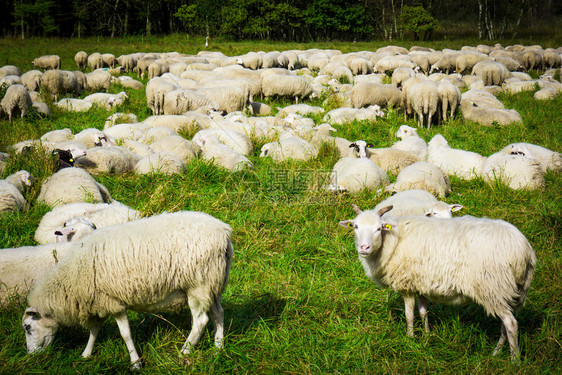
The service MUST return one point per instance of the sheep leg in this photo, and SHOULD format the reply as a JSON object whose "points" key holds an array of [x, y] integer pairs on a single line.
{"points": [[510, 324], [94, 330], [423, 307], [199, 320], [429, 120], [217, 314], [123, 323], [503, 337], [409, 304]]}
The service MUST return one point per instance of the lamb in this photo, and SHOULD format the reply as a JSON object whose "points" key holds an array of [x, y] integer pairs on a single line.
{"points": [[220, 154], [294, 148], [424, 99], [389, 159], [367, 93], [450, 98], [410, 142], [71, 185], [286, 85], [81, 59], [47, 62], [457, 261], [515, 171], [463, 164], [354, 175], [21, 267], [160, 162], [16, 101], [425, 176], [11, 191], [548, 159], [100, 214], [111, 159], [417, 202], [202, 251]]}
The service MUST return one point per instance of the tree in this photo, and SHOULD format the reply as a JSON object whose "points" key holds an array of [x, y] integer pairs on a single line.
{"points": [[417, 20], [33, 16]]}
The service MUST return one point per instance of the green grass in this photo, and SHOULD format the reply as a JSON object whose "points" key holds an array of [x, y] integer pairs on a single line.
{"points": [[298, 300]]}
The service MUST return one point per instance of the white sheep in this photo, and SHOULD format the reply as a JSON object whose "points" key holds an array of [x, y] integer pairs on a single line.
{"points": [[389, 159], [182, 147], [514, 170], [424, 99], [491, 72], [70, 185], [16, 101], [417, 202], [92, 137], [296, 87], [47, 62], [189, 255], [32, 80], [99, 80], [455, 261], [356, 174], [21, 267], [110, 159], [369, 93], [220, 154], [11, 191], [81, 59], [239, 142], [160, 162], [9, 70], [100, 214], [548, 159], [344, 115], [74, 105], [425, 176], [59, 82], [410, 142], [488, 116], [323, 135], [450, 98], [291, 147], [107, 101], [120, 118], [180, 101], [401, 75], [461, 163]]}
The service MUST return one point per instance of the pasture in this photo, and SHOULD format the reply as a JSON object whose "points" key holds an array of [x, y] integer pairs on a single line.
{"points": [[298, 301]]}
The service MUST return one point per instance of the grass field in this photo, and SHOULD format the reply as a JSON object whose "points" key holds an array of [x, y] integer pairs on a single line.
{"points": [[298, 301]]}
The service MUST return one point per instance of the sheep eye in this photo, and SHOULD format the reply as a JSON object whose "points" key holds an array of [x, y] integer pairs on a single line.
{"points": [[355, 226]]}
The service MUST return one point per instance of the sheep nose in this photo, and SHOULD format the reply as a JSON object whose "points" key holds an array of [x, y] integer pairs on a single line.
{"points": [[364, 247]]}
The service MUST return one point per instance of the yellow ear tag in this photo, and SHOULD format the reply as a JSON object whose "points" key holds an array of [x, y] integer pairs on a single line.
{"points": [[71, 160], [350, 225], [388, 226]]}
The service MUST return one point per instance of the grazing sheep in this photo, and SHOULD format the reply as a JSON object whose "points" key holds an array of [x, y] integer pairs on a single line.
{"points": [[10, 80], [71, 185], [467, 60], [424, 99], [417, 202], [548, 159], [99, 80], [406, 86], [109, 60], [491, 72], [32, 80], [514, 170], [160, 162], [81, 59], [294, 148], [450, 98], [390, 63], [286, 85], [58, 82], [95, 61], [9, 70], [202, 253], [47, 62], [356, 174], [58, 135], [463, 164], [100, 214], [11, 191], [220, 154], [425, 176], [157, 68], [410, 142], [401, 75], [456, 261], [446, 63], [16, 101], [368, 93], [180, 101]]}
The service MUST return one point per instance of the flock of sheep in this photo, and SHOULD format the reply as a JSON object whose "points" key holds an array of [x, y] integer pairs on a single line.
{"points": [[174, 259]]}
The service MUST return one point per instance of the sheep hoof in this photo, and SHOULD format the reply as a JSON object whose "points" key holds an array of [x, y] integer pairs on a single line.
{"points": [[136, 366]]}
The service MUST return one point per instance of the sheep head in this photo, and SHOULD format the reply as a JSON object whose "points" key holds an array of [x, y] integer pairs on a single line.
{"points": [[39, 328], [369, 227]]}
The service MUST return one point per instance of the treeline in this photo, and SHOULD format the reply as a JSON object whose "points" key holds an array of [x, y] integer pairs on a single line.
{"points": [[288, 20]]}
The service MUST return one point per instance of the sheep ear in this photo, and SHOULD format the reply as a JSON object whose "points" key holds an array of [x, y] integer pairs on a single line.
{"points": [[370, 145], [384, 210], [32, 312], [386, 227], [347, 223], [352, 145], [356, 209], [455, 207]]}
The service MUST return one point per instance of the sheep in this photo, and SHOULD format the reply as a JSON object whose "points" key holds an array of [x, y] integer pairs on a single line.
{"points": [[286, 85], [417, 202], [9, 70], [467, 60], [365, 94], [410, 142], [174, 122], [21, 267], [157, 68], [81, 59], [65, 158], [425, 176], [10, 80], [220, 154], [111, 159], [294, 148], [71, 185], [488, 116], [345, 115], [354, 175], [548, 93], [120, 118], [301, 109], [491, 72], [11, 191], [100, 214], [108, 60], [548, 159], [203, 252], [59, 135], [259, 109], [107, 101], [227, 98], [400, 75], [389, 159], [92, 137], [185, 149], [47, 62], [128, 62], [32, 79], [99, 80], [57, 82], [455, 261], [323, 135], [160, 162], [424, 99], [406, 86], [514, 170], [127, 131], [481, 98], [446, 63], [239, 142], [143, 64], [74, 105], [390, 63], [450, 98], [463, 164], [16, 101]]}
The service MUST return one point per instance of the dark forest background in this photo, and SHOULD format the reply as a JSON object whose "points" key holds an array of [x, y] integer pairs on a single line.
{"points": [[287, 20]]}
